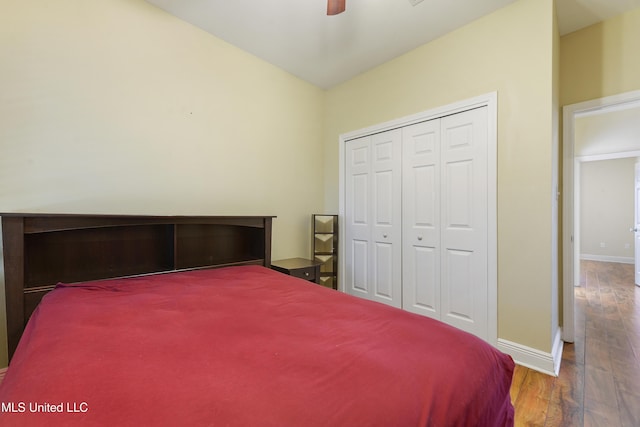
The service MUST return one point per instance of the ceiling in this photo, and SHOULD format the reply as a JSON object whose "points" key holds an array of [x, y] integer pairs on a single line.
{"points": [[298, 36]]}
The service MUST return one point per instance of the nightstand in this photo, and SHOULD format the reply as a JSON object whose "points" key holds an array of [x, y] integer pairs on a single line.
{"points": [[299, 267]]}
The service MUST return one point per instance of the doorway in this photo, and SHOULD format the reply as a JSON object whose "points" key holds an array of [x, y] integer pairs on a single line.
{"points": [[607, 208], [573, 156]]}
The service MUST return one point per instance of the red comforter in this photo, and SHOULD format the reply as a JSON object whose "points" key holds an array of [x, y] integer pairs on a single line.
{"points": [[245, 346]]}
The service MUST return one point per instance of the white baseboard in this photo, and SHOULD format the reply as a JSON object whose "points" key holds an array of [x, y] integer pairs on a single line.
{"points": [[607, 258], [547, 363]]}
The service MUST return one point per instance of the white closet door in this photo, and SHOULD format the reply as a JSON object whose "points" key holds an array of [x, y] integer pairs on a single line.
{"points": [[464, 221], [357, 217], [386, 256], [421, 218], [372, 217]]}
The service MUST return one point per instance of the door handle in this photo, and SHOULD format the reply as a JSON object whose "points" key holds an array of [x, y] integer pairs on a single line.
{"points": [[633, 229]]}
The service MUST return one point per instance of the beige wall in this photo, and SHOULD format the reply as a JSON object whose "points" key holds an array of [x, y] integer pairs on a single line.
{"points": [[509, 51], [606, 209], [117, 107], [114, 106], [607, 133], [601, 60]]}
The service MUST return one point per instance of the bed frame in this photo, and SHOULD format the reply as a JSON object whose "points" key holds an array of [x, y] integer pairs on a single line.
{"points": [[41, 250]]}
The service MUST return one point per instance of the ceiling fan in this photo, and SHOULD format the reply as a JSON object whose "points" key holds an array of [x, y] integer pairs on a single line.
{"points": [[335, 7]]}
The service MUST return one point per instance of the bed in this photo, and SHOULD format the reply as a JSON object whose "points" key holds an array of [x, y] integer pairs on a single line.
{"points": [[180, 321]]}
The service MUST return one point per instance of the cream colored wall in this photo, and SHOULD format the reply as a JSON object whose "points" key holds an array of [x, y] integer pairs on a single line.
{"points": [[114, 106], [607, 209], [509, 51], [601, 60], [607, 133]]}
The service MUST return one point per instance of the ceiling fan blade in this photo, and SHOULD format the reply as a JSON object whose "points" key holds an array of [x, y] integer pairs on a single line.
{"points": [[335, 7]]}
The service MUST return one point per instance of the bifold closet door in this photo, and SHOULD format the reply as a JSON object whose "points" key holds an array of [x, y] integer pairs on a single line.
{"points": [[464, 221], [373, 229], [416, 218], [421, 218], [445, 220]]}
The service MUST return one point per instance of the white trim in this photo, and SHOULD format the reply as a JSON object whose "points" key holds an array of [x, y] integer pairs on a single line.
{"points": [[489, 100], [608, 258], [610, 156], [435, 113], [547, 363], [556, 351], [570, 217]]}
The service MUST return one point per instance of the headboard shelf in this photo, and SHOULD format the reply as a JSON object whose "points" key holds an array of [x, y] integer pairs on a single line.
{"points": [[41, 250], [40, 223]]}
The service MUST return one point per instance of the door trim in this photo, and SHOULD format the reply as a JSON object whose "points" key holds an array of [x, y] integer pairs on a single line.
{"points": [[489, 100], [570, 200]]}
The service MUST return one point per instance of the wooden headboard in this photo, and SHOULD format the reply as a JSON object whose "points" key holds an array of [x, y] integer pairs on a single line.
{"points": [[42, 250]]}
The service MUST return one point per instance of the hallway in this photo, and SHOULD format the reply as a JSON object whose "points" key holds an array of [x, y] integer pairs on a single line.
{"points": [[599, 381]]}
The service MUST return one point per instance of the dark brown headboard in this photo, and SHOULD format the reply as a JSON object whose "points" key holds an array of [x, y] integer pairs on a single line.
{"points": [[42, 250]]}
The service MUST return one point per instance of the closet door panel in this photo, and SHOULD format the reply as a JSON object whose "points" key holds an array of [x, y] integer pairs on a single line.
{"points": [[383, 271], [359, 267], [357, 216], [421, 218], [460, 285], [458, 195], [424, 297], [464, 221], [386, 256], [372, 218]]}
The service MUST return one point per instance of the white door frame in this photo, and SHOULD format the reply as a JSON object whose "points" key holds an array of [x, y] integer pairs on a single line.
{"points": [[571, 205], [636, 223], [489, 100]]}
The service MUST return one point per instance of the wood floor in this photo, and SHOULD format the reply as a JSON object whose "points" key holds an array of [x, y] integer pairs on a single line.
{"points": [[599, 381]]}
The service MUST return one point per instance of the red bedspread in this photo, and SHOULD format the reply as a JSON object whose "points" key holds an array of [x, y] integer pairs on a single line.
{"points": [[245, 346]]}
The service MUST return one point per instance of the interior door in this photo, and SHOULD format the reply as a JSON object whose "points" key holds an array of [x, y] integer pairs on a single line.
{"points": [[421, 218], [636, 226], [464, 221]]}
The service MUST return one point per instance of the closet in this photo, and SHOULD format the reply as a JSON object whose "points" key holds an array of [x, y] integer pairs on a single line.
{"points": [[416, 218]]}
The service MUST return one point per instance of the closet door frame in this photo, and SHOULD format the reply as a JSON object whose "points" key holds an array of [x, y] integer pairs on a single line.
{"points": [[489, 100]]}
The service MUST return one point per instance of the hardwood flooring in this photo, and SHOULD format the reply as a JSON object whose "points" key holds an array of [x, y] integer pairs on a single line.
{"points": [[599, 380]]}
